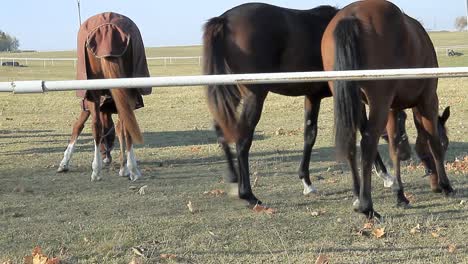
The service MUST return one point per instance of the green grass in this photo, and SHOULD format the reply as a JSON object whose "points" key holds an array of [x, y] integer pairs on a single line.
{"points": [[84, 222]]}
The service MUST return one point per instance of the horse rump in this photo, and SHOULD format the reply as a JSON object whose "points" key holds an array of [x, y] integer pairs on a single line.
{"points": [[125, 99]]}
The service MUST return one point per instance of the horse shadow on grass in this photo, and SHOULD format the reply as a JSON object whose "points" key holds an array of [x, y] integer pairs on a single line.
{"points": [[164, 139], [85, 141]]}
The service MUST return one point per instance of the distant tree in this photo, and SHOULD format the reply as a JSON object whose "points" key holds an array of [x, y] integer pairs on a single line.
{"points": [[8, 43], [460, 23]]}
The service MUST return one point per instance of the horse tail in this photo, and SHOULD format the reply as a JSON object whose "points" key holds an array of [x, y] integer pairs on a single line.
{"points": [[222, 99], [124, 99], [347, 101]]}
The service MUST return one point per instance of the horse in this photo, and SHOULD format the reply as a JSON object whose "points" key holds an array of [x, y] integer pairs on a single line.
{"points": [[376, 34], [255, 38], [110, 46]]}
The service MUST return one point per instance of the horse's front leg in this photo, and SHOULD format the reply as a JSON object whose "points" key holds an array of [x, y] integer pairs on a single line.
{"points": [[311, 111], [392, 128], [76, 131], [97, 134], [252, 110]]}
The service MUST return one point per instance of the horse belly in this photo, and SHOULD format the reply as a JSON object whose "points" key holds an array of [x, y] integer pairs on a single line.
{"points": [[300, 89]]}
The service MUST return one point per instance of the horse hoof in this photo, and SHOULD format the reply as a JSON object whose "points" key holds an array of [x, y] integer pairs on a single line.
{"points": [[374, 214], [403, 204], [356, 205], [133, 177], [436, 189], [447, 188], [62, 169], [95, 177], [388, 183], [251, 200], [309, 190], [449, 191], [388, 179], [124, 172], [106, 161]]}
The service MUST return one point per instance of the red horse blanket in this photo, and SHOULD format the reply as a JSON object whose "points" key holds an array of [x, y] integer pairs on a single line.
{"points": [[111, 35]]}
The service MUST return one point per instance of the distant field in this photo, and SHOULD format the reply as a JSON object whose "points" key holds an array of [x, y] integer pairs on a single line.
{"points": [[84, 222]]}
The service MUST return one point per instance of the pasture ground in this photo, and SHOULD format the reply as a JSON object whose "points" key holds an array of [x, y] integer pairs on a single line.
{"points": [[87, 222]]}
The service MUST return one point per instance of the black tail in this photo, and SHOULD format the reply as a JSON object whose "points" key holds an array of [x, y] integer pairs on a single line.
{"points": [[347, 94], [222, 99]]}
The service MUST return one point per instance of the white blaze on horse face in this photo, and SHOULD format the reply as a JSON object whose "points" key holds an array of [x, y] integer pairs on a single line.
{"points": [[97, 163], [132, 165], [308, 189], [64, 164]]}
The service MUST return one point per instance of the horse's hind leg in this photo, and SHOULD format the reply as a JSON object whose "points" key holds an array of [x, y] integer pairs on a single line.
{"points": [[392, 130], [123, 172], [132, 165], [370, 139], [97, 133], [76, 131], [109, 137], [232, 176], [252, 110], [311, 111], [379, 166]]}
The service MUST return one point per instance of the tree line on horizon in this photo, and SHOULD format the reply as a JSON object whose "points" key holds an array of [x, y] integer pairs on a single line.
{"points": [[8, 42]]}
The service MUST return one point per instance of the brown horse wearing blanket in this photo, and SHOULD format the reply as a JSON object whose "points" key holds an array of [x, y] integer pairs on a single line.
{"points": [[110, 46], [258, 38], [375, 34]]}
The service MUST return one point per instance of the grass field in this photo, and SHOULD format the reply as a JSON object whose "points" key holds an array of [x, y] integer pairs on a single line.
{"points": [[80, 221]]}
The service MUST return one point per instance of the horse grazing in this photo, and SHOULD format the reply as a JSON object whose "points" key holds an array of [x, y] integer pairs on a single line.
{"points": [[256, 38], [375, 34], [110, 46]]}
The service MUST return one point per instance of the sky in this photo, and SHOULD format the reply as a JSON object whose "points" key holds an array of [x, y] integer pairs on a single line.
{"points": [[47, 25]]}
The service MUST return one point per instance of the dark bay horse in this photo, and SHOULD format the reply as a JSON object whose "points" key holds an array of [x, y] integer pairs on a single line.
{"points": [[256, 38], [110, 46], [375, 34]]}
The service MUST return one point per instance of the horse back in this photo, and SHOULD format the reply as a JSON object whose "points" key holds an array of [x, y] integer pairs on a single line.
{"points": [[265, 38]]}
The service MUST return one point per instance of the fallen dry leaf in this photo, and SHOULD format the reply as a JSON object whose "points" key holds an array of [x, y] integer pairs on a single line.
{"points": [[280, 132], [168, 256], [458, 166], [255, 183], [314, 213], [215, 193], [190, 207], [38, 258], [416, 229], [141, 191], [435, 234], [321, 259], [258, 208], [139, 251], [136, 260], [411, 197], [452, 248], [368, 225], [8, 261], [195, 149], [379, 232], [332, 180]]}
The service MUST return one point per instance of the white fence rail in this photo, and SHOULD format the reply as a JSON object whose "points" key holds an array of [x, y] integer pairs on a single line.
{"points": [[161, 61], [41, 86], [166, 61]]}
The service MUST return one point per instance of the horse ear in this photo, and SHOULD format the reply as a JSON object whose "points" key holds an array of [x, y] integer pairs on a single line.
{"points": [[445, 115]]}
